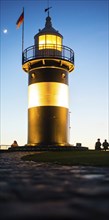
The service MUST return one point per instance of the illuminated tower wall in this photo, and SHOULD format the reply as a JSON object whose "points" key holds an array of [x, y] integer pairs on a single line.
{"points": [[48, 64]]}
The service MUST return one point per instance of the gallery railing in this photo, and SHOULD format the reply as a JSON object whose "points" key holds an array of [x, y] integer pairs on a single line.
{"points": [[48, 51]]}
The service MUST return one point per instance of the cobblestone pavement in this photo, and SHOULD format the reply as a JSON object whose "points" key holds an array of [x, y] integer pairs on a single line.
{"points": [[30, 190]]}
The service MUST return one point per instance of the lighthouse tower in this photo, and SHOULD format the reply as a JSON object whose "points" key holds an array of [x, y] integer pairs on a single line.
{"points": [[48, 63]]}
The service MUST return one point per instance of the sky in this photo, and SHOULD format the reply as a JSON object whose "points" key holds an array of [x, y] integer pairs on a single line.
{"points": [[84, 26]]}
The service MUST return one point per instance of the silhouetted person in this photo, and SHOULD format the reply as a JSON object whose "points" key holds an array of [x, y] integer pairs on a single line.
{"points": [[98, 145], [105, 145], [14, 144]]}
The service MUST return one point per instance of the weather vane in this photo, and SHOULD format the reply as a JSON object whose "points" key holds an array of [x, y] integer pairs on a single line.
{"points": [[48, 8]]}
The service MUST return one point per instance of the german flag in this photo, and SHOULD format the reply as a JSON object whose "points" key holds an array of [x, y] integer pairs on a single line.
{"points": [[20, 20]]}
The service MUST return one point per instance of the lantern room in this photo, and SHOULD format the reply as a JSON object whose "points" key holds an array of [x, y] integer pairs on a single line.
{"points": [[48, 37]]}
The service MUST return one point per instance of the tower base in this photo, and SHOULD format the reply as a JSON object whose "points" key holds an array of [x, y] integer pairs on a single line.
{"points": [[31, 148]]}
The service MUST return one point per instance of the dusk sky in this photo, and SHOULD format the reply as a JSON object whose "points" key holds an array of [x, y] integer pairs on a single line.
{"points": [[84, 26]]}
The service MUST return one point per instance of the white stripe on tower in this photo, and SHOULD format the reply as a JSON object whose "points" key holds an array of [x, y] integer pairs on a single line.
{"points": [[48, 94]]}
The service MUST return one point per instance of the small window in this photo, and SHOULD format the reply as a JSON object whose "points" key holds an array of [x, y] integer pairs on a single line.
{"points": [[33, 75], [63, 75]]}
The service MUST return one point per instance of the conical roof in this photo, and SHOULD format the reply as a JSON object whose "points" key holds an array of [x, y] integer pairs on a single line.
{"points": [[48, 29]]}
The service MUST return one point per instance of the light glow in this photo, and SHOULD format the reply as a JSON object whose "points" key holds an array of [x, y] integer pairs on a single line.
{"points": [[50, 42]]}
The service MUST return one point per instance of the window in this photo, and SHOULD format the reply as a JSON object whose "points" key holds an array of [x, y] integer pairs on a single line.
{"points": [[41, 42], [59, 43], [50, 42]]}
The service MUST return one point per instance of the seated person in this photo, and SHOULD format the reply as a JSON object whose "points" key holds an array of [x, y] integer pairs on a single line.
{"points": [[105, 145], [98, 145], [14, 144]]}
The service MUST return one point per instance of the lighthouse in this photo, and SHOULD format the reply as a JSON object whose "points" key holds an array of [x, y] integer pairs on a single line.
{"points": [[48, 63]]}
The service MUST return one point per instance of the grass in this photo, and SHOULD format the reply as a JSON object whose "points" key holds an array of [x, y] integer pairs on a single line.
{"points": [[85, 158]]}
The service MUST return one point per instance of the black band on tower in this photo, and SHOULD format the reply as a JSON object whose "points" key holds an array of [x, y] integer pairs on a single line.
{"points": [[48, 75], [47, 125]]}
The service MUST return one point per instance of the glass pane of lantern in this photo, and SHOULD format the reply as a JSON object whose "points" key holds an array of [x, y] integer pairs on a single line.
{"points": [[50, 41], [59, 43], [41, 42]]}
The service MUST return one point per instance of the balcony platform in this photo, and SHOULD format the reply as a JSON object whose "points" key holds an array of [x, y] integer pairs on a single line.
{"points": [[34, 58]]}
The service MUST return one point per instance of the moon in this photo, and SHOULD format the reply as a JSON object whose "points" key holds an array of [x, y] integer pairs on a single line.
{"points": [[5, 31]]}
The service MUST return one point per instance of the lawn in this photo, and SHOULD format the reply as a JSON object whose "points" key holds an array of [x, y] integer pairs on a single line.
{"points": [[85, 158]]}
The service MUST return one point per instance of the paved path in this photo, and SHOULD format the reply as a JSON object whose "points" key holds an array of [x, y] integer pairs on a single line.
{"points": [[30, 190]]}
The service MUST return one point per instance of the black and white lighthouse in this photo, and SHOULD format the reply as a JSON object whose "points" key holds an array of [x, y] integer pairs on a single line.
{"points": [[48, 63]]}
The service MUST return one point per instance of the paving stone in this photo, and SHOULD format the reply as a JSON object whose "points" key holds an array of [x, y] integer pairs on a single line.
{"points": [[30, 190]]}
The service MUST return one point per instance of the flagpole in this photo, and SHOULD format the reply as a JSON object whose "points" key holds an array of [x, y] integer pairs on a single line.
{"points": [[23, 33], [23, 36]]}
